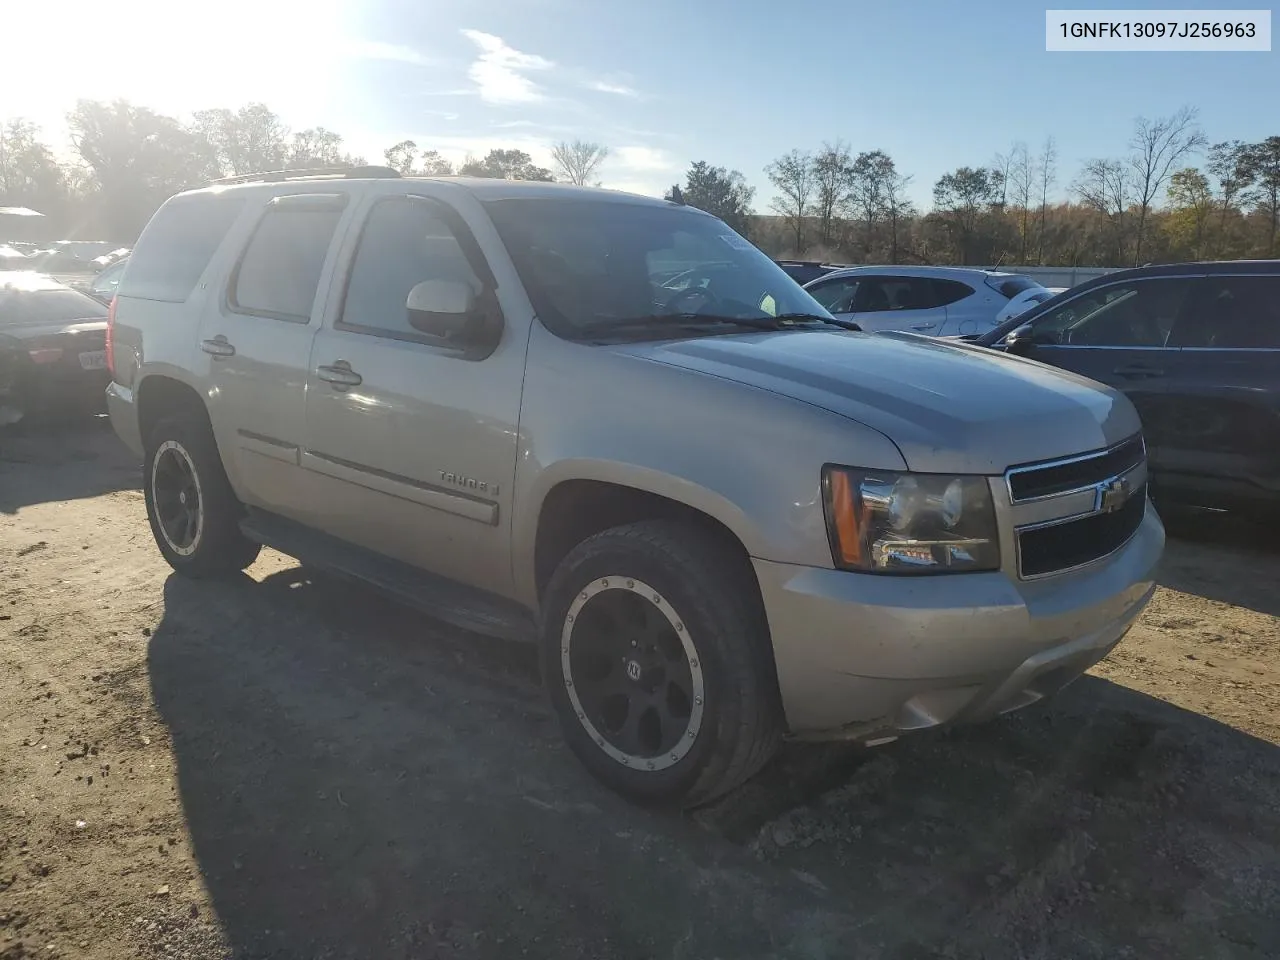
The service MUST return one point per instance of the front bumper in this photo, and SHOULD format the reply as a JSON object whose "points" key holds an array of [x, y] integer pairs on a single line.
{"points": [[867, 657]]}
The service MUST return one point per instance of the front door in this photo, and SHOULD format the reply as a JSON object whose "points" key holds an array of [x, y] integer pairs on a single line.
{"points": [[255, 343], [1224, 387], [411, 443], [1119, 335]]}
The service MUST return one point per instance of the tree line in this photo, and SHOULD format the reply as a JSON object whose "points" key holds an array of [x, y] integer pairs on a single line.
{"points": [[1171, 195], [1152, 203], [128, 159]]}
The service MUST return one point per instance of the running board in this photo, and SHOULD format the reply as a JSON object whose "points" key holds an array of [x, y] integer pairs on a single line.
{"points": [[454, 603]]}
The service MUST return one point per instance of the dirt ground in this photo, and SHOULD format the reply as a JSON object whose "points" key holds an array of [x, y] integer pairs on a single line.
{"points": [[286, 766]]}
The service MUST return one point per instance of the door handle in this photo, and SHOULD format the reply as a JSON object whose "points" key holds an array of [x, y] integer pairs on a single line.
{"points": [[1138, 371], [923, 326], [339, 374], [218, 347]]}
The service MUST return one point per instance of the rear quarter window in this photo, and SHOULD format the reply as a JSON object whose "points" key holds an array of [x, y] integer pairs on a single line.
{"points": [[1010, 287], [947, 292], [176, 246]]}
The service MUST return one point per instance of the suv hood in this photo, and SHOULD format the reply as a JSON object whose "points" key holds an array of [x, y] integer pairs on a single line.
{"points": [[949, 407]]}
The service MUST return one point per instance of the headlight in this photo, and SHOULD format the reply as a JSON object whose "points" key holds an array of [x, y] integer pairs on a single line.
{"points": [[885, 522]]}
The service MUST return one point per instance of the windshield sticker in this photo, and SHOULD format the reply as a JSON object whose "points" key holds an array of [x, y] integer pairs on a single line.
{"points": [[735, 241]]}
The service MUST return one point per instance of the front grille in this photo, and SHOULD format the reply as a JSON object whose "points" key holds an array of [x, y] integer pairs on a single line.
{"points": [[1061, 546], [1027, 483]]}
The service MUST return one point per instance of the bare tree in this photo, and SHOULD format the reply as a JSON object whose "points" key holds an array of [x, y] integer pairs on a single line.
{"points": [[579, 161], [1022, 176], [1047, 172], [400, 157], [896, 205], [832, 183], [1229, 165], [1262, 163], [792, 175], [1001, 166], [1159, 146], [1103, 185], [405, 158]]}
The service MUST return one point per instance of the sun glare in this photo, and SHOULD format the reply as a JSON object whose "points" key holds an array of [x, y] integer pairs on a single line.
{"points": [[173, 55]]}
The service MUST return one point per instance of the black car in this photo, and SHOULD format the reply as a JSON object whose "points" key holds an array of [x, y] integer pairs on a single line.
{"points": [[804, 271], [52, 348], [1196, 347]]}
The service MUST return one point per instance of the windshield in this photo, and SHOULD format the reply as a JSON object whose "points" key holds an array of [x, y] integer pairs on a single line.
{"points": [[594, 265], [46, 306]]}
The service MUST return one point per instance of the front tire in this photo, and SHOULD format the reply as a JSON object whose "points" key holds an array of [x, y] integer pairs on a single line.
{"points": [[656, 655], [194, 514]]}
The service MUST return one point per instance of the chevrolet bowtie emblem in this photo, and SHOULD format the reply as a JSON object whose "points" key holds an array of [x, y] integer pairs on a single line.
{"points": [[1113, 494]]}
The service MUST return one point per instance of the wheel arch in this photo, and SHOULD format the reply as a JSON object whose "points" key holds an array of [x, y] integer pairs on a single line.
{"points": [[586, 499], [162, 394]]}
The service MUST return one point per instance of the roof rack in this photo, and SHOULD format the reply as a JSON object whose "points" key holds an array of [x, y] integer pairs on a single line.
{"points": [[314, 173]]}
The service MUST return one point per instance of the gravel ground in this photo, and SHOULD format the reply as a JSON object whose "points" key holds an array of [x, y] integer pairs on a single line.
{"points": [[286, 766]]}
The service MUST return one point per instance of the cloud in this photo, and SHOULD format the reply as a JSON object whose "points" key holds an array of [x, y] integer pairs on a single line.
{"points": [[499, 71], [621, 90], [644, 159]]}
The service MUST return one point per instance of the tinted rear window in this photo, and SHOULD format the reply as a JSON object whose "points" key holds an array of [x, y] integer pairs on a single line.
{"points": [[176, 246], [1010, 287], [47, 306]]}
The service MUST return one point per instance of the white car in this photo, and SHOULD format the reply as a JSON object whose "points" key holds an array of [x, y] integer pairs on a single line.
{"points": [[1025, 301], [934, 301]]}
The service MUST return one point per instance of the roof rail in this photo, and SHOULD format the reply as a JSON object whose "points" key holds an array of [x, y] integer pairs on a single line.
{"points": [[314, 173]]}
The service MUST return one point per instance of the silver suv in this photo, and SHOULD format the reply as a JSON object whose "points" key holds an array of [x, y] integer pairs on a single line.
{"points": [[611, 423]]}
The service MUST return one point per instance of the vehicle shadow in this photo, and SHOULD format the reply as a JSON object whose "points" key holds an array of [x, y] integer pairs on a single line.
{"points": [[362, 782], [1227, 559], [42, 462]]}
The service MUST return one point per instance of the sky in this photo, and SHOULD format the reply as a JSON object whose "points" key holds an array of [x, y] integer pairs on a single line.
{"points": [[937, 85]]}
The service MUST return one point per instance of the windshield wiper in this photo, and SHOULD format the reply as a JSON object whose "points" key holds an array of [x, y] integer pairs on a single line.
{"points": [[687, 321], [817, 317]]}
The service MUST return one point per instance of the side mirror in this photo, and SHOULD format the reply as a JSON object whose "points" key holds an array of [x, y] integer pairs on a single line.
{"points": [[1020, 341], [443, 308]]}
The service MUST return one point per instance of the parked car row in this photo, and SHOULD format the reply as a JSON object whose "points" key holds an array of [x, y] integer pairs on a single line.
{"points": [[610, 424], [937, 301], [52, 348], [61, 257], [1196, 348]]}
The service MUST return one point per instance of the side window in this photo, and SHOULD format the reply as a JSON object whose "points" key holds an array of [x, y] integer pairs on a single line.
{"points": [[878, 294], [279, 270], [404, 242], [836, 295], [1232, 313], [1136, 314], [873, 296], [177, 245], [947, 292]]}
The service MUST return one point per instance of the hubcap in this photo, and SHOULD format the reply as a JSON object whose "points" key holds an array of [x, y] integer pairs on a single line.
{"points": [[175, 491], [632, 673]]}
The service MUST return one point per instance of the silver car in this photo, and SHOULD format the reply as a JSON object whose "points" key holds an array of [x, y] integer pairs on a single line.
{"points": [[611, 425], [934, 301]]}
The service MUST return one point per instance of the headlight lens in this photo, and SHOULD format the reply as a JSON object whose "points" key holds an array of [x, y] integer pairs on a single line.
{"points": [[885, 522]]}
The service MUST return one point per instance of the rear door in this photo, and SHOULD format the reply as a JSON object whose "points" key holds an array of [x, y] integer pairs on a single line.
{"points": [[1119, 335], [1224, 388], [898, 303], [255, 342]]}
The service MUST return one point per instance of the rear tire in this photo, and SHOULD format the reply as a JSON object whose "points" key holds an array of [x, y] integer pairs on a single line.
{"points": [[702, 711], [194, 514]]}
